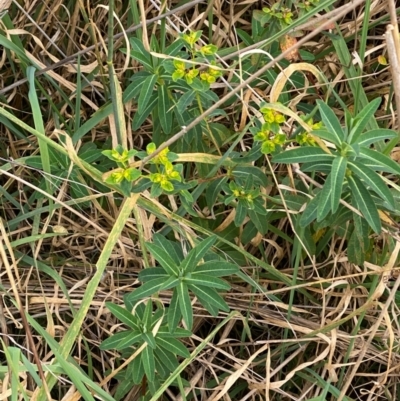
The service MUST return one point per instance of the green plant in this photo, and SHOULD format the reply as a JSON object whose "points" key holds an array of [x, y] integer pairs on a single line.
{"points": [[351, 168], [159, 356], [185, 274]]}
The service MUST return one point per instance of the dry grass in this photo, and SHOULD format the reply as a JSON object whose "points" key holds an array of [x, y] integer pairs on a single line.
{"points": [[284, 346]]}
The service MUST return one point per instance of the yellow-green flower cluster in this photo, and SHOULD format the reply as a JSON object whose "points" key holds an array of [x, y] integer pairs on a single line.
{"points": [[211, 75], [283, 15], [305, 138], [181, 72], [269, 139], [168, 172], [129, 174]]}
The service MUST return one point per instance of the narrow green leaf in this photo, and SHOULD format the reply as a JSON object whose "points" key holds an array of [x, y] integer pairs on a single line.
{"points": [[330, 121], [361, 121], [385, 162], [324, 204], [142, 59], [209, 295], [167, 358], [365, 203], [317, 166], [185, 101], [164, 332], [373, 180], [148, 314], [376, 135], [338, 173], [164, 259], [310, 212], [139, 118], [327, 135], [136, 370], [213, 190], [216, 268], [152, 273], [113, 341], [149, 339], [169, 283], [241, 212], [147, 357], [132, 338], [173, 345], [137, 45], [174, 312], [146, 289], [185, 304], [146, 92], [164, 112], [123, 315], [206, 281], [171, 248], [196, 254], [303, 154], [243, 172]]}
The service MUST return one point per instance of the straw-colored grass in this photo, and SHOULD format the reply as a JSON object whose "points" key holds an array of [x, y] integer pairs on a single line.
{"points": [[301, 327]]}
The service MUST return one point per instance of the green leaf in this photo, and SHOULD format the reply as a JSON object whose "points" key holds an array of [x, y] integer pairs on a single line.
{"points": [[330, 121], [151, 273], [202, 280], [365, 203], [199, 251], [373, 180], [120, 340], [370, 137], [243, 172], [136, 370], [164, 259], [213, 190], [209, 295], [146, 92], [144, 60], [169, 283], [361, 120], [148, 314], [302, 155], [185, 304], [385, 162], [338, 173], [327, 135], [310, 212], [190, 262], [123, 315], [149, 339], [133, 337], [173, 345], [174, 312], [164, 332], [169, 247], [139, 118], [164, 112], [359, 241], [185, 101], [241, 212], [146, 289], [316, 166], [134, 88], [167, 358], [324, 204], [216, 268], [147, 357]]}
